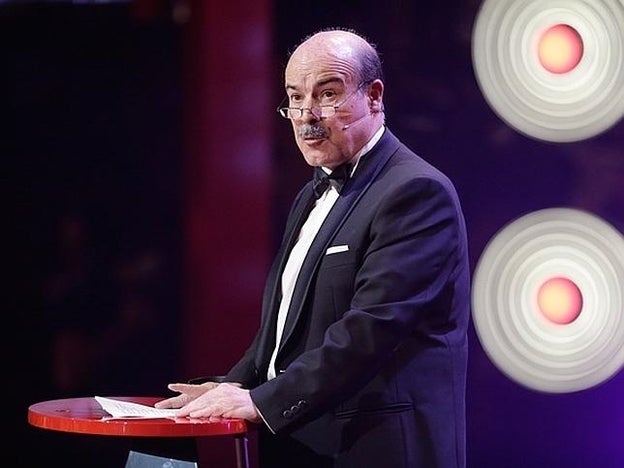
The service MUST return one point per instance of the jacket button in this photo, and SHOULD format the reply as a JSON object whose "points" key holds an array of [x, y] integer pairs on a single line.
{"points": [[294, 409], [302, 404], [287, 414]]}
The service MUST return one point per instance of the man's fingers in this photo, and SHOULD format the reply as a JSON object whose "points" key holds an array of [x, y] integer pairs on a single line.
{"points": [[165, 404], [188, 392], [192, 389], [181, 387], [173, 402]]}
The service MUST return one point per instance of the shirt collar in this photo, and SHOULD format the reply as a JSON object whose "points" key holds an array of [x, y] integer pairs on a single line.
{"points": [[365, 149]]}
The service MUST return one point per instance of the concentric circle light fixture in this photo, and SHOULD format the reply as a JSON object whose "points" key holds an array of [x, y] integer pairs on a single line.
{"points": [[552, 69], [548, 300]]}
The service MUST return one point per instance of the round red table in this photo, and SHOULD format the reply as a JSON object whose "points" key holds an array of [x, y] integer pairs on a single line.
{"points": [[86, 416]]}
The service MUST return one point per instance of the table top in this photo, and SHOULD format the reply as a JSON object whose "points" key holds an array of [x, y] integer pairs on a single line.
{"points": [[86, 416]]}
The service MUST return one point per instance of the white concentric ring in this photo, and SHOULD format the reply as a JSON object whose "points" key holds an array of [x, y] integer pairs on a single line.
{"points": [[520, 341], [564, 107]]}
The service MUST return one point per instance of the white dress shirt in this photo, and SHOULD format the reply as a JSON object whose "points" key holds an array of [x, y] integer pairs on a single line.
{"points": [[298, 253]]}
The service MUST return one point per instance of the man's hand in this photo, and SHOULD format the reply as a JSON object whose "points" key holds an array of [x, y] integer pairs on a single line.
{"points": [[226, 401], [188, 392], [211, 399]]}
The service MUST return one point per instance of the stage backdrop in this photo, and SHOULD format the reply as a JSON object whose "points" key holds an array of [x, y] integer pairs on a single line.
{"points": [[150, 177]]}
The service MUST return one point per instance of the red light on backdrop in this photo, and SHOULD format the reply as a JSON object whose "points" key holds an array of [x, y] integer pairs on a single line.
{"points": [[560, 300], [560, 48]]}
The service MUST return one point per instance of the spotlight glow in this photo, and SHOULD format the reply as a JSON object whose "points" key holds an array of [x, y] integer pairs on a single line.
{"points": [[548, 300], [552, 69], [560, 300], [560, 48]]}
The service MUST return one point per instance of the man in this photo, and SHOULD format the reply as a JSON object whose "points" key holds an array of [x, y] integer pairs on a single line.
{"points": [[360, 359]]}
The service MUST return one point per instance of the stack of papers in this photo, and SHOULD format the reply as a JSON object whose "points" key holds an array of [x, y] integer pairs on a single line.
{"points": [[125, 409]]}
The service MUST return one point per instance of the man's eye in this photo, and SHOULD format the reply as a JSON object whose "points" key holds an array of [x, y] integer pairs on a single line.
{"points": [[294, 99], [327, 96]]}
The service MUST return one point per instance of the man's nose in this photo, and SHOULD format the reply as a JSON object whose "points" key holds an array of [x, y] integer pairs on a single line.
{"points": [[311, 114], [310, 110]]}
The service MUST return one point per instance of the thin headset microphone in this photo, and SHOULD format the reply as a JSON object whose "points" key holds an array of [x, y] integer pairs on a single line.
{"points": [[349, 125], [356, 121]]}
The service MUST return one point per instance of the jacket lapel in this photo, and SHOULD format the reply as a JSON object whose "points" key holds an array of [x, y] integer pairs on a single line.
{"points": [[273, 291]]}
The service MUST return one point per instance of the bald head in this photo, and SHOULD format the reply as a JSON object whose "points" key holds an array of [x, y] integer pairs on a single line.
{"points": [[344, 46]]}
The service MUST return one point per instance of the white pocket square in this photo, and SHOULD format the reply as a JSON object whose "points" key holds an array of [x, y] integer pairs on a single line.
{"points": [[336, 248]]}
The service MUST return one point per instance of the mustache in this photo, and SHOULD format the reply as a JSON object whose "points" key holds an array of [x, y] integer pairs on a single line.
{"points": [[315, 130]]}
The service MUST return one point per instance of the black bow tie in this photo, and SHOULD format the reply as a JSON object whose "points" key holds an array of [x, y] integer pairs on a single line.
{"points": [[322, 180]]}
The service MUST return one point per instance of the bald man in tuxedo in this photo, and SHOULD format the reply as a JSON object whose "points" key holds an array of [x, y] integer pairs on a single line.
{"points": [[360, 358]]}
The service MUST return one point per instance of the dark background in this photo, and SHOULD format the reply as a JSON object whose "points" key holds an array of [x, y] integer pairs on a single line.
{"points": [[95, 143]]}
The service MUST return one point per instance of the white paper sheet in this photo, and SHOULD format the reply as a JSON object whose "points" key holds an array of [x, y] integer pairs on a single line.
{"points": [[125, 409]]}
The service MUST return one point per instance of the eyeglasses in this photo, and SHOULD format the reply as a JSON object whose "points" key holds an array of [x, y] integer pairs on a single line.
{"points": [[320, 112]]}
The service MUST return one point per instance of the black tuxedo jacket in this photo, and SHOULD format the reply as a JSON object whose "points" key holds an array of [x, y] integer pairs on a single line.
{"points": [[372, 362]]}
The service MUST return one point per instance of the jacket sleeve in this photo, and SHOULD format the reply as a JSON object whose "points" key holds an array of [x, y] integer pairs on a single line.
{"points": [[244, 371]]}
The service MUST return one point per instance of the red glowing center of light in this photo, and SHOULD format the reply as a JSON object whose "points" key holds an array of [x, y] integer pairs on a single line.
{"points": [[560, 48], [560, 300]]}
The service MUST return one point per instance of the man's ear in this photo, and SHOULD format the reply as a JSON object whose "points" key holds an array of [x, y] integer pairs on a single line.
{"points": [[375, 96]]}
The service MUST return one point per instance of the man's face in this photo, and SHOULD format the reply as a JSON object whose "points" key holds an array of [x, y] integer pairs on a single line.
{"points": [[315, 78]]}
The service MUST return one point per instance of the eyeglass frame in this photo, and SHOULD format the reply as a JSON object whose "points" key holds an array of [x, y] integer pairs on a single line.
{"points": [[284, 111]]}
